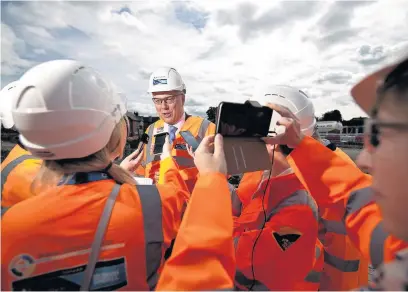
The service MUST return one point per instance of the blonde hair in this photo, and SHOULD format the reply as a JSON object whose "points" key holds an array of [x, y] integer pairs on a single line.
{"points": [[52, 171]]}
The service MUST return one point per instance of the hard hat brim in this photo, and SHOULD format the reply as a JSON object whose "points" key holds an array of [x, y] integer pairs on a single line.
{"points": [[7, 121], [364, 92]]}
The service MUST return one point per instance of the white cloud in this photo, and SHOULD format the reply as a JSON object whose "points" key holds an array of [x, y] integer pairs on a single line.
{"points": [[223, 49]]}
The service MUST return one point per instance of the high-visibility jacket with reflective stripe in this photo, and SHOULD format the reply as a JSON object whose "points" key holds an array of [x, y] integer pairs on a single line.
{"points": [[203, 255], [345, 268], [336, 184], [18, 171], [55, 230], [289, 210], [198, 127]]}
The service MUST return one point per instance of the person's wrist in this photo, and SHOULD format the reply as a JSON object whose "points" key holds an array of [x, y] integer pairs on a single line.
{"points": [[211, 172], [298, 141]]}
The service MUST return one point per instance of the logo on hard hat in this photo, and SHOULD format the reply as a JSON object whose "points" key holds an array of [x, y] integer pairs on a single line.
{"points": [[159, 81]]}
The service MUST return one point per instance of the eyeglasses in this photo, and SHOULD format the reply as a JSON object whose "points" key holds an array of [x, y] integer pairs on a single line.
{"points": [[168, 100], [372, 128]]}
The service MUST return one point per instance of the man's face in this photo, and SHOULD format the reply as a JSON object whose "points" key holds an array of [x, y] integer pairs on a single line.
{"points": [[169, 105], [388, 164]]}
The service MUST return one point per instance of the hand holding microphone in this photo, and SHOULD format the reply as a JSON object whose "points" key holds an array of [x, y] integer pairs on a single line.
{"points": [[132, 161]]}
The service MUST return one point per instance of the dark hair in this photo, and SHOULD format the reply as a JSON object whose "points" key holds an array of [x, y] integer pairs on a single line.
{"points": [[395, 82]]}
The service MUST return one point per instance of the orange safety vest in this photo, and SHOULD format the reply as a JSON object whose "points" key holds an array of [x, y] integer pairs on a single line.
{"points": [[203, 257], [344, 266], [18, 171], [125, 228], [198, 127], [338, 185], [289, 210]]}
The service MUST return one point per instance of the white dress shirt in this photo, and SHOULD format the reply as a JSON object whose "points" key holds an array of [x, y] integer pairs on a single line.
{"points": [[178, 125]]}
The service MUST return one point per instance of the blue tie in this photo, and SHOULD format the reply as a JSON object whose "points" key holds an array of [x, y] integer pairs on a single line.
{"points": [[172, 133]]}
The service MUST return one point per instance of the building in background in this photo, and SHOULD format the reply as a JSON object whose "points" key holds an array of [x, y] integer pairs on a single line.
{"points": [[137, 126], [328, 127]]}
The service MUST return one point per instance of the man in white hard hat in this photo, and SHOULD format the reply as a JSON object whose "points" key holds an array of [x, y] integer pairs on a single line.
{"points": [[168, 94], [19, 168], [336, 243]]}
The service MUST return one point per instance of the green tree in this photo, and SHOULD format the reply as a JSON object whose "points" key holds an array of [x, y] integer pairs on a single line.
{"points": [[334, 115]]}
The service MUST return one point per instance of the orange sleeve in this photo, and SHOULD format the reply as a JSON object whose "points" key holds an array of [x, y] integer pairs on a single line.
{"points": [[210, 130], [329, 178], [338, 184], [248, 185], [203, 254], [169, 173], [174, 194]]}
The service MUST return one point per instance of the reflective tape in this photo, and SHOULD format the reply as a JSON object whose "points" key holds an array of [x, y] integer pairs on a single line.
{"points": [[337, 227], [183, 161], [202, 130], [340, 264], [242, 280], [153, 230], [314, 276], [299, 197], [358, 200], [377, 244], [186, 162], [5, 172], [98, 238]]}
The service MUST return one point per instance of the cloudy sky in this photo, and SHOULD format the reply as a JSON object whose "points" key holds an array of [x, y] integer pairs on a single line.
{"points": [[223, 49]]}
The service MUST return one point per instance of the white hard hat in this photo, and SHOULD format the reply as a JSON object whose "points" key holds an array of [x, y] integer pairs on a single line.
{"points": [[365, 91], [292, 98], [6, 103], [166, 79], [64, 109]]}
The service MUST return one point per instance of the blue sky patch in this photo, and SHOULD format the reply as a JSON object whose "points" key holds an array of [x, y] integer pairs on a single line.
{"points": [[188, 15]]}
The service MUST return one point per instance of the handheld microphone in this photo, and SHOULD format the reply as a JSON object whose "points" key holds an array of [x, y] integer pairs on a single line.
{"points": [[143, 141]]}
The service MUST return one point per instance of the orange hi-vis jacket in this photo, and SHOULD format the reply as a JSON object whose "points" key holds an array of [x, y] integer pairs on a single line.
{"points": [[47, 239], [18, 171], [345, 268], [203, 257], [288, 254], [198, 127], [338, 185]]}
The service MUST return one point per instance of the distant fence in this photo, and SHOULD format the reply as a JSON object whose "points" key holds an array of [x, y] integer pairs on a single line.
{"points": [[345, 140]]}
